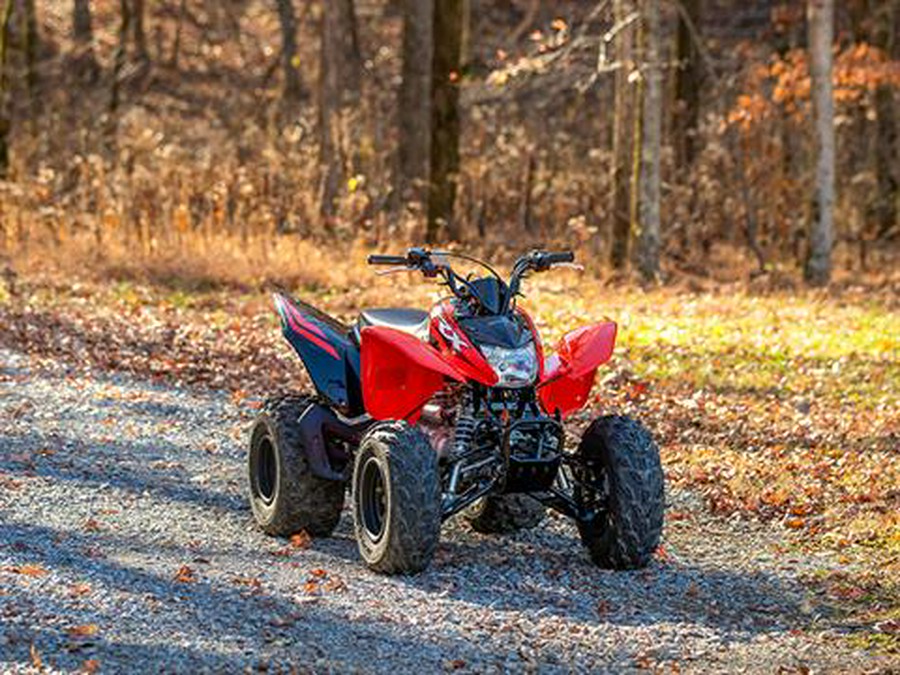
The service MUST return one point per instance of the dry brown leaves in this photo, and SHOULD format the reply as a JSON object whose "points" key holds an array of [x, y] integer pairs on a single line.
{"points": [[83, 631], [28, 570], [185, 575]]}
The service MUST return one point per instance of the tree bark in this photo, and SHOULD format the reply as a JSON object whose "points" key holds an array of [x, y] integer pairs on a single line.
{"points": [[293, 87], [648, 239], [118, 67], [820, 18], [688, 81], [414, 125], [176, 43], [31, 47], [623, 137], [139, 34], [5, 113], [445, 82], [339, 90], [83, 33], [883, 17]]}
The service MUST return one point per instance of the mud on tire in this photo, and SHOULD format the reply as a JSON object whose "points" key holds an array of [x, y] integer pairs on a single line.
{"points": [[284, 494], [502, 514], [621, 459], [396, 499]]}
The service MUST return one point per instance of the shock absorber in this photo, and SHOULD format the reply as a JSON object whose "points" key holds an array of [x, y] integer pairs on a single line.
{"points": [[465, 431]]}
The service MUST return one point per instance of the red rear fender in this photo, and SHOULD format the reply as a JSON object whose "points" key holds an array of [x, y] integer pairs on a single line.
{"points": [[400, 373], [569, 373]]}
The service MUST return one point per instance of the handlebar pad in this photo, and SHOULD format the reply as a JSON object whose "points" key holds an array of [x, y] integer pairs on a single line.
{"points": [[560, 257], [376, 259]]}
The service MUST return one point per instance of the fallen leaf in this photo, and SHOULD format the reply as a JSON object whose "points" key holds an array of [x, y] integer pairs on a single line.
{"points": [[335, 584], [282, 621], [319, 573], [889, 626], [185, 575], [85, 630], [643, 662], [301, 539], [28, 570], [90, 666], [35, 655], [80, 589]]}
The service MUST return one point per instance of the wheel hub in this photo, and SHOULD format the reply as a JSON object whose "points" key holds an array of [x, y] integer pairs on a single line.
{"points": [[373, 499], [266, 471]]}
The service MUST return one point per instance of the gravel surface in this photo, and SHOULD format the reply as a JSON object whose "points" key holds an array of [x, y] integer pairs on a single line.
{"points": [[127, 546]]}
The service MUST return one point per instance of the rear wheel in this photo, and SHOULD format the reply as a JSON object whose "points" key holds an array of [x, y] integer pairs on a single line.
{"points": [[285, 496], [620, 462], [501, 514], [396, 499]]}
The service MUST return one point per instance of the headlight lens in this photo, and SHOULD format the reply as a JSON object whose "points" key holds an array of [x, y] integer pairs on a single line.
{"points": [[514, 367]]}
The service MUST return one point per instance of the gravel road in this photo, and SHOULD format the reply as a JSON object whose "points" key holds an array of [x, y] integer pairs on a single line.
{"points": [[126, 546]]}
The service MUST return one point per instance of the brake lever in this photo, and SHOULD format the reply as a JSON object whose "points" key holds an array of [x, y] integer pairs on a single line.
{"points": [[395, 270]]}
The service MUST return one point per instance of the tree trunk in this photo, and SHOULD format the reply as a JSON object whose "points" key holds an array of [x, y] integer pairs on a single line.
{"points": [[5, 113], [176, 43], [138, 32], [83, 34], [118, 67], [687, 84], [883, 20], [31, 46], [648, 240], [623, 136], [414, 126], [293, 87], [445, 80], [820, 17], [339, 90]]}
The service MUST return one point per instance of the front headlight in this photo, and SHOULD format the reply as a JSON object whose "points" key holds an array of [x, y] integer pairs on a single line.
{"points": [[514, 367]]}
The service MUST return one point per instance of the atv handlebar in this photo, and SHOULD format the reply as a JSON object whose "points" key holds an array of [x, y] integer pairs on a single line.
{"points": [[420, 259], [558, 257], [376, 259]]}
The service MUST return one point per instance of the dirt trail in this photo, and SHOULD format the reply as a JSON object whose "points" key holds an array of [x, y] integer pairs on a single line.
{"points": [[125, 540]]}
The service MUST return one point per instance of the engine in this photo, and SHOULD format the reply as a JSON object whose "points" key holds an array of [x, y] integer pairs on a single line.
{"points": [[497, 439]]}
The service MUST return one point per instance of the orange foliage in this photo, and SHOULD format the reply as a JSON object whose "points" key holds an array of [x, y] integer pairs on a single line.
{"points": [[784, 83]]}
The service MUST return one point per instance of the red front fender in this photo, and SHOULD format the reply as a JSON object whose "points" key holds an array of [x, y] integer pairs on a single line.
{"points": [[399, 373], [569, 373]]}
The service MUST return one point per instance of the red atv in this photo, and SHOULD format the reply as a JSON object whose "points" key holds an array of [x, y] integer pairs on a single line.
{"points": [[426, 415]]}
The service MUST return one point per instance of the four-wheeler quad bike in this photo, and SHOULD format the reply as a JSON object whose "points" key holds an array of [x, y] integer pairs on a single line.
{"points": [[426, 415]]}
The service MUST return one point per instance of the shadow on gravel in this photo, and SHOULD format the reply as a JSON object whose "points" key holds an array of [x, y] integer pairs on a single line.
{"points": [[56, 650], [125, 465], [137, 613], [560, 580]]}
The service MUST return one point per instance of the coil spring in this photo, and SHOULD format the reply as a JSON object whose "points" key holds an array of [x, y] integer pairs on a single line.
{"points": [[465, 431]]}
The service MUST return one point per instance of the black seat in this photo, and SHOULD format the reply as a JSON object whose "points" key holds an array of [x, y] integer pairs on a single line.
{"points": [[412, 321]]}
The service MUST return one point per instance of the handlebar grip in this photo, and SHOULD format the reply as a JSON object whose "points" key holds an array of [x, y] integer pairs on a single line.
{"points": [[376, 259], [559, 257]]}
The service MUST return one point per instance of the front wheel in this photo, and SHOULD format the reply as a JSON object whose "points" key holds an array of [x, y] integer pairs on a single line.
{"points": [[621, 480], [396, 499]]}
